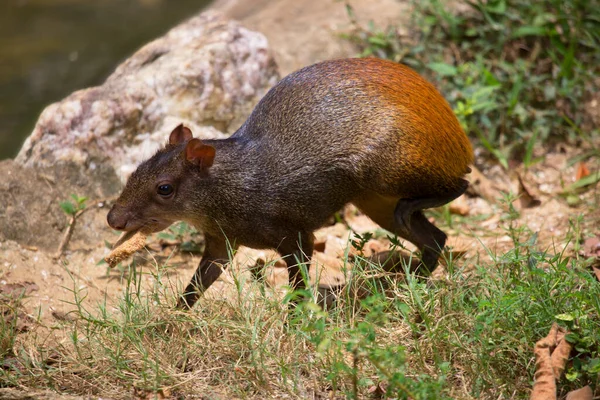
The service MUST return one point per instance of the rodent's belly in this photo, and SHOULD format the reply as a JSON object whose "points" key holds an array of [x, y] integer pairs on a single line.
{"points": [[276, 217]]}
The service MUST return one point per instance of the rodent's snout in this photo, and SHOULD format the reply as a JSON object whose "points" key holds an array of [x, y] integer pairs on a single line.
{"points": [[117, 218]]}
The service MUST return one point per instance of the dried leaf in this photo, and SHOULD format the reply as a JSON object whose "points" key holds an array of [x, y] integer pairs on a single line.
{"points": [[361, 224], [591, 247], [585, 393], [144, 394], [328, 271], [481, 186], [263, 264], [459, 206], [62, 316], [544, 387], [337, 247], [18, 289], [456, 247], [560, 355], [527, 197], [276, 277], [582, 171]]}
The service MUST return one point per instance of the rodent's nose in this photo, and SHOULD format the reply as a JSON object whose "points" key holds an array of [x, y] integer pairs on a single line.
{"points": [[116, 218]]}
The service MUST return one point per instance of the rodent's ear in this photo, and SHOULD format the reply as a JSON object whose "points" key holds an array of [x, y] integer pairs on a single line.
{"points": [[200, 154], [180, 134]]}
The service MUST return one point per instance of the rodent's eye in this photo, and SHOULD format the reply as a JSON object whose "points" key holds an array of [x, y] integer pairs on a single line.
{"points": [[165, 190]]}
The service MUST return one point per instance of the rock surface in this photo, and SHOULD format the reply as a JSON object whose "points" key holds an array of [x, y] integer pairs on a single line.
{"points": [[208, 72], [304, 32], [30, 214]]}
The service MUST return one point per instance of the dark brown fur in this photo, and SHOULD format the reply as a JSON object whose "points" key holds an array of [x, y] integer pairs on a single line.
{"points": [[365, 131]]}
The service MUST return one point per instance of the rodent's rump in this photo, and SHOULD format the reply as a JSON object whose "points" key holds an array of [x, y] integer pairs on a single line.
{"points": [[363, 131], [378, 119]]}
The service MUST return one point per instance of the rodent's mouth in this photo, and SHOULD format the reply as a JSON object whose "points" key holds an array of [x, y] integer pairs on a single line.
{"points": [[151, 226], [155, 225]]}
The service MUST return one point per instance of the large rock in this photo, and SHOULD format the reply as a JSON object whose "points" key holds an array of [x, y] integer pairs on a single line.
{"points": [[208, 72], [30, 213], [303, 32]]}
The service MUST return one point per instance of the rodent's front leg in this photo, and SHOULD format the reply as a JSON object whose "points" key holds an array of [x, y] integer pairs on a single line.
{"points": [[211, 266], [297, 250]]}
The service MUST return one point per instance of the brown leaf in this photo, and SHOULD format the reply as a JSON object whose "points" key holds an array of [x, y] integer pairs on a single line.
{"points": [[585, 393], [374, 246], [560, 355], [62, 316], [596, 272], [263, 263], [361, 224], [144, 394], [15, 290], [328, 271], [377, 391], [459, 206], [591, 247], [544, 386], [337, 247], [456, 247], [481, 186], [394, 261], [527, 197], [582, 171]]}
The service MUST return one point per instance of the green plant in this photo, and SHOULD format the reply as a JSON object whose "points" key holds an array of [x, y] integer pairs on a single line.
{"points": [[358, 354], [75, 206], [8, 325], [516, 72], [73, 209], [185, 234]]}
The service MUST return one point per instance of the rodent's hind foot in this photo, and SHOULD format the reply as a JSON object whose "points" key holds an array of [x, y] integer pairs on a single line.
{"points": [[427, 237]]}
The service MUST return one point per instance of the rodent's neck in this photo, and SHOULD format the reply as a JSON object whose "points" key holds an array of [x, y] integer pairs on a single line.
{"points": [[222, 194], [231, 155]]}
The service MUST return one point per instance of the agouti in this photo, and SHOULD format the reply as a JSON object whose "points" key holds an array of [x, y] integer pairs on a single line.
{"points": [[364, 131]]}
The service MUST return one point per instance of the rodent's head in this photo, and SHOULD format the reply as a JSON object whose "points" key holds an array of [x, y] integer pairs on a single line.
{"points": [[160, 190]]}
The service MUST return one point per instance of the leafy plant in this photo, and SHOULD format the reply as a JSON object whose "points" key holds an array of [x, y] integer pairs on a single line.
{"points": [[185, 234], [77, 204], [515, 71]]}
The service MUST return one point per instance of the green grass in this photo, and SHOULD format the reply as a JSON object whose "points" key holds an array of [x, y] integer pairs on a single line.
{"points": [[516, 72], [469, 336], [9, 308]]}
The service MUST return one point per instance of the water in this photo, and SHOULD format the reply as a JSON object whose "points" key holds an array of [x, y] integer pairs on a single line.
{"points": [[50, 48]]}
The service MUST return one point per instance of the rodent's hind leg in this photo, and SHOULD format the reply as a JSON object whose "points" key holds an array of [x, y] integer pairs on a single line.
{"points": [[411, 224], [426, 236], [406, 207], [297, 249], [382, 211], [214, 259], [404, 218]]}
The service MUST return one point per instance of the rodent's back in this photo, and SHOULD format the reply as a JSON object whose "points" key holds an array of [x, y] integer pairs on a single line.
{"points": [[379, 121]]}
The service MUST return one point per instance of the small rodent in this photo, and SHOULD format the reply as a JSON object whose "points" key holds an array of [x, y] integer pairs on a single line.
{"points": [[364, 131]]}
